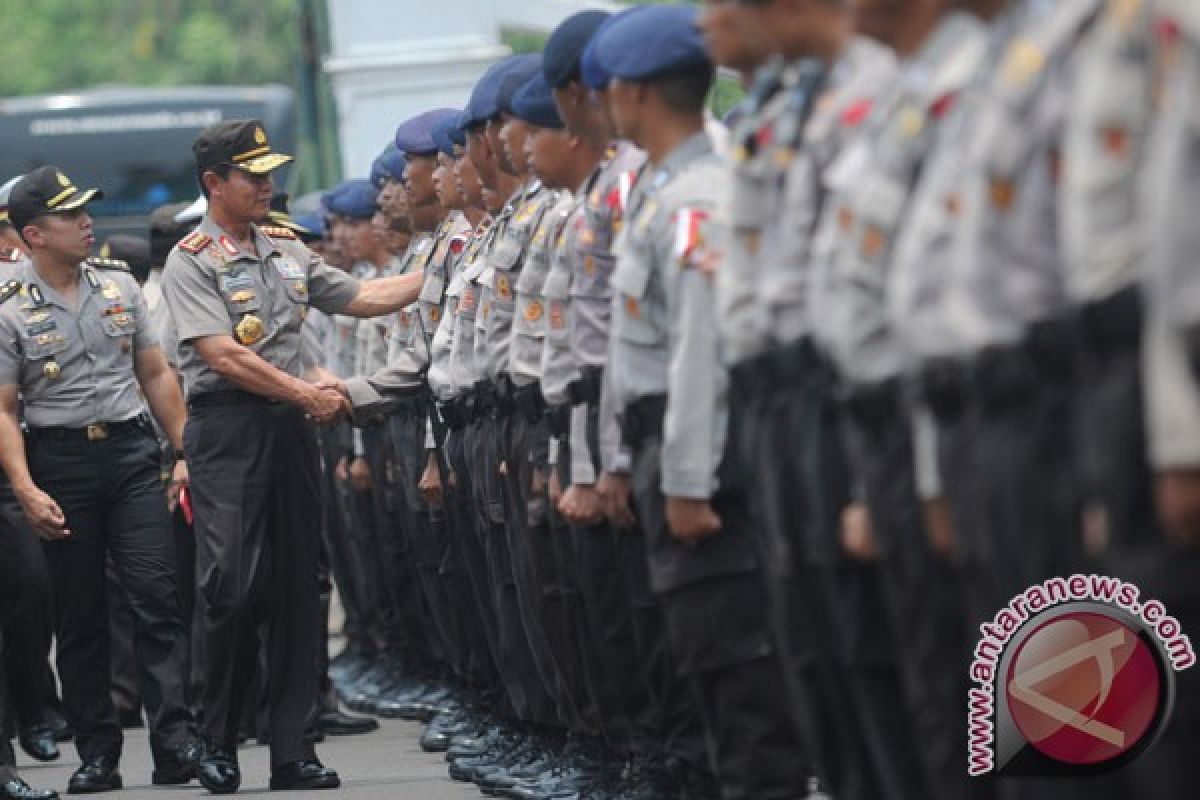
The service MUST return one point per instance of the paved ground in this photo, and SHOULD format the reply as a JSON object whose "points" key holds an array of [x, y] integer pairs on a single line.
{"points": [[385, 764]]}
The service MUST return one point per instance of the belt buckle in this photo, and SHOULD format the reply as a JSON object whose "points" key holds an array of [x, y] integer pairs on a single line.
{"points": [[97, 432]]}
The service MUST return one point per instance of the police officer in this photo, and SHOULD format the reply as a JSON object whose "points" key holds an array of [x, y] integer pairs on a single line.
{"points": [[672, 393], [238, 297], [77, 345]]}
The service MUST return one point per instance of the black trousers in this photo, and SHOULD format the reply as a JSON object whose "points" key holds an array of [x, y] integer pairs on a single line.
{"points": [[255, 486], [112, 495], [924, 727], [343, 557], [720, 640], [26, 616], [788, 444]]}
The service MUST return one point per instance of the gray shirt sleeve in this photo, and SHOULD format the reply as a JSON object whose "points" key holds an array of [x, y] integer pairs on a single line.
{"points": [[145, 333], [329, 289]]}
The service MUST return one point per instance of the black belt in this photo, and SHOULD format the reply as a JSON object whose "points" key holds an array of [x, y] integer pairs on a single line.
{"points": [[873, 404], [944, 385], [96, 432], [410, 405], [1113, 323], [781, 369], [231, 397], [643, 419], [454, 413], [528, 402]]}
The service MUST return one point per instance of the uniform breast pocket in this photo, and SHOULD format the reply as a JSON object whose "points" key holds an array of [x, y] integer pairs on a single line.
{"points": [[1002, 151], [637, 322], [597, 229], [431, 289], [508, 250]]}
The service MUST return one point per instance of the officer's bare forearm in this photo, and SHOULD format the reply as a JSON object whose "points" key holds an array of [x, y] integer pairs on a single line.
{"points": [[161, 390], [245, 369], [385, 295], [12, 443]]}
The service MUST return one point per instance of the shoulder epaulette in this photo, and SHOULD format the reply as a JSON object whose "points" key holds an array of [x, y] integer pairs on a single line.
{"points": [[194, 242], [10, 256], [108, 263], [8, 289], [275, 232]]}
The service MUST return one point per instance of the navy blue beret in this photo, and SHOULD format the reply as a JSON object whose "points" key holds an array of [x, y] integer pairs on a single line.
{"points": [[493, 94], [355, 199], [415, 136], [594, 76], [328, 197], [442, 133], [564, 49], [458, 133], [392, 162], [654, 41], [534, 103], [313, 222]]}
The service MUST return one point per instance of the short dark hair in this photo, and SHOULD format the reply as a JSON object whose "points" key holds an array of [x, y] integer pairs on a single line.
{"points": [[220, 169], [686, 91]]}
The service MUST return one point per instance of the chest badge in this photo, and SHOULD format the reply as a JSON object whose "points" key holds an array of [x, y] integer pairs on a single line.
{"points": [[52, 371], [250, 330]]}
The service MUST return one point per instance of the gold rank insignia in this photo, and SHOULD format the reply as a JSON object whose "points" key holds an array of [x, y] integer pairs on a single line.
{"points": [[243, 296], [435, 313], [52, 371], [533, 311], [250, 330], [299, 288], [503, 287]]}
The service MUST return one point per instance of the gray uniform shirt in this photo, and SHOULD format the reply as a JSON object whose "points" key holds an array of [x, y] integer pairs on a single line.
{"points": [[664, 337], [1106, 130], [788, 236], [75, 366], [1008, 261], [505, 260], [529, 319], [862, 218], [211, 286]]}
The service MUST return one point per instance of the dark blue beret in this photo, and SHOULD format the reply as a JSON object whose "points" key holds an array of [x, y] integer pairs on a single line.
{"points": [[514, 78], [442, 133], [494, 92], [415, 136], [313, 221], [534, 103], [328, 197], [355, 199], [654, 41], [564, 49], [590, 71], [392, 162], [458, 133]]}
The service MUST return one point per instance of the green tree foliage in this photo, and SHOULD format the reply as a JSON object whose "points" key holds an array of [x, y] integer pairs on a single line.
{"points": [[52, 45]]}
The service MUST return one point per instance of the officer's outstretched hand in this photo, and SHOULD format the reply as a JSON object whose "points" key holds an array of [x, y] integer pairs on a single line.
{"points": [[581, 505], [326, 404], [691, 521], [44, 515], [615, 490]]}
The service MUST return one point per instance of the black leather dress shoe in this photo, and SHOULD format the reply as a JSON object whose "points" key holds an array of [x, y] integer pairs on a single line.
{"points": [[179, 767], [308, 774], [95, 775], [337, 723], [39, 742], [17, 789], [58, 723], [218, 770]]}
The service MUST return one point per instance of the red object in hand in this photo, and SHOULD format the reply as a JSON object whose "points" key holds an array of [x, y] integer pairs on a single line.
{"points": [[185, 502]]}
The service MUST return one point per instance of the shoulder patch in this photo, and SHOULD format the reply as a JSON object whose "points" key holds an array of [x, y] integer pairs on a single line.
{"points": [[276, 232], [108, 263], [9, 289], [194, 242]]}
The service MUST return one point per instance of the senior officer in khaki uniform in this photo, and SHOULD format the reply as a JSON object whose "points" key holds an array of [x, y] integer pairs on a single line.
{"points": [[76, 344], [238, 294]]}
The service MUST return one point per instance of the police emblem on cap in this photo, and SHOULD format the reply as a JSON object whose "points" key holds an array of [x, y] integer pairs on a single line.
{"points": [[63, 180], [260, 136]]}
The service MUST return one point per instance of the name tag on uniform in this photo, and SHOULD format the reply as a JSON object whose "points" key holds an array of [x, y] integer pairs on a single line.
{"points": [[35, 326], [231, 283]]}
